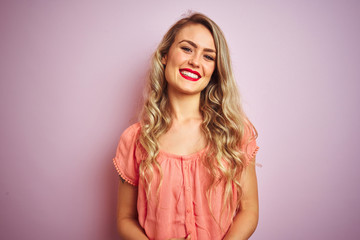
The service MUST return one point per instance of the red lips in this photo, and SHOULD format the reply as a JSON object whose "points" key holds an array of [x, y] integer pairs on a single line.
{"points": [[191, 71]]}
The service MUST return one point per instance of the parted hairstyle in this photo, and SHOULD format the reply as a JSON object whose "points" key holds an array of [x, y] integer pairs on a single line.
{"points": [[224, 121]]}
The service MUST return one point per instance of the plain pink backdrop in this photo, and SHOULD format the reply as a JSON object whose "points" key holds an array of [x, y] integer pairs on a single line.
{"points": [[72, 74]]}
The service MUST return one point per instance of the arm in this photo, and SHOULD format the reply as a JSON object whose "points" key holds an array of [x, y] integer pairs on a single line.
{"points": [[127, 221], [245, 221]]}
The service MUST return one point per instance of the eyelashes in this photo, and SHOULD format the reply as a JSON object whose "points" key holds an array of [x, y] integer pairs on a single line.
{"points": [[209, 57], [186, 49], [189, 50]]}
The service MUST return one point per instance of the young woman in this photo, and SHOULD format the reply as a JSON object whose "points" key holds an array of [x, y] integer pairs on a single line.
{"points": [[187, 168]]}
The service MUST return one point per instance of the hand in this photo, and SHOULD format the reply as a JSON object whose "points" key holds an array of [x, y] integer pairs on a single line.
{"points": [[187, 238]]}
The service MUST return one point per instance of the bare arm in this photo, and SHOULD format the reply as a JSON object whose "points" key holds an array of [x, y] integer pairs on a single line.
{"points": [[127, 218], [246, 220]]}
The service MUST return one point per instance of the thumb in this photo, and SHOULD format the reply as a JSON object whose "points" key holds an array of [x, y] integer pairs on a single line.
{"points": [[188, 237]]}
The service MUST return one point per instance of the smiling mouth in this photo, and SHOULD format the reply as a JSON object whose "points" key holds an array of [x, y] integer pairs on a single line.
{"points": [[189, 74]]}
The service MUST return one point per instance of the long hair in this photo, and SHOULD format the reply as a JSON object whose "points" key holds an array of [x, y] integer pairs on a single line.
{"points": [[224, 121]]}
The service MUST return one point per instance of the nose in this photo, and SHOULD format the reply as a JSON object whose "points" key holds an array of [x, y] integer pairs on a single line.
{"points": [[194, 60]]}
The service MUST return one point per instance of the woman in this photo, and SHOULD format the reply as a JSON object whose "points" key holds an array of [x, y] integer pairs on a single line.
{"points": [[187, 169]]}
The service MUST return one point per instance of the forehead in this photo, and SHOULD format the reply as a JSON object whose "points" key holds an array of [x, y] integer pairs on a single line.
{"points": [[198, 34]]}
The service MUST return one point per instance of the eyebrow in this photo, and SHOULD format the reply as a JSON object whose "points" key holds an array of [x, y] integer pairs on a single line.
{"points": [[195, 46]]}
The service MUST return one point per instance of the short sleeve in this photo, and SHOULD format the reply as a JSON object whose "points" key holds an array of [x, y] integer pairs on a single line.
{"points": [[125, 160], [249, 145]]}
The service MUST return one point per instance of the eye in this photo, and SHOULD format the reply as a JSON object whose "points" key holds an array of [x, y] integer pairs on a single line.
{"points": [[186, 49], [208, 57]]}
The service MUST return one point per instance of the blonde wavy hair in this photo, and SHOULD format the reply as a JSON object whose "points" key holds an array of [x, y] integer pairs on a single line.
{"points": [[224, 121]]}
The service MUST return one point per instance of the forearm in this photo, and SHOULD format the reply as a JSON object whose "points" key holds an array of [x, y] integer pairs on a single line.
{"points": [[130, 229], [127, 217], [244, 225]]}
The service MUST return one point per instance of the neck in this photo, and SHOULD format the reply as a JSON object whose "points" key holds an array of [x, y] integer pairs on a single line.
{"points": [[185, 107]]}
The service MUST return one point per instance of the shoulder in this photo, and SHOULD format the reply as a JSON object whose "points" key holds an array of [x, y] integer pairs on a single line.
{"points": [[248, 142], [249, 132], [132, 129], [131, 133], [129, 140]]}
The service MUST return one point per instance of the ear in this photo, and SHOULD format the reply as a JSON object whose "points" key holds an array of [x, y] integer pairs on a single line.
{"points": [[164, 60]]}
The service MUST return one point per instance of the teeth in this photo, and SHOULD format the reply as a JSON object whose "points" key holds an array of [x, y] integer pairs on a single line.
{"points": [[189, 74]]}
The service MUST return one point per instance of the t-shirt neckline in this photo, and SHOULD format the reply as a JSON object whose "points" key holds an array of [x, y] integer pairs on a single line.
{"points": [[183, 157]]}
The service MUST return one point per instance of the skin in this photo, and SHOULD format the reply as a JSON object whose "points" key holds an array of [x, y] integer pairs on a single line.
{"points": [[127, 223], [193, 48]]}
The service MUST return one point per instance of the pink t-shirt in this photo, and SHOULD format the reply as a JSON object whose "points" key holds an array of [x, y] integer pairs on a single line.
{"points": [[180, 207]]}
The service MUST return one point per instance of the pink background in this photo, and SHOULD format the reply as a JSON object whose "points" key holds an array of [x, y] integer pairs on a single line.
{"points": [[72, 74]]}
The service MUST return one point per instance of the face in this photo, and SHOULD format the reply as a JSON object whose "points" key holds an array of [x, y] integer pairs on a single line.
{"points": [[190, 61]]}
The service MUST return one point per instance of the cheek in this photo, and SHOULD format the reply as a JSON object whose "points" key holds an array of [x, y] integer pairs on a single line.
{"points": [[176, 58], [210, 70], [168, 73]]}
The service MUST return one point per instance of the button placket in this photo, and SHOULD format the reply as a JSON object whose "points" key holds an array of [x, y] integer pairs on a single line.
{"points": [[188, 197]]}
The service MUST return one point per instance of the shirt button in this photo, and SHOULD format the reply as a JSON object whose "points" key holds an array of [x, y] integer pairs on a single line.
{"points": [[185, 167], [188, 189], [188, 210]]}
